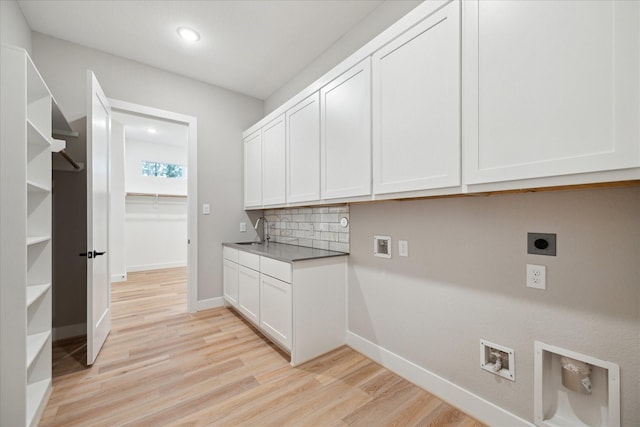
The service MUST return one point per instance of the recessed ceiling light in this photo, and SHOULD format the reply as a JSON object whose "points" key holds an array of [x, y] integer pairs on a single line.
{"points": [[189, 34], [152, 130]]}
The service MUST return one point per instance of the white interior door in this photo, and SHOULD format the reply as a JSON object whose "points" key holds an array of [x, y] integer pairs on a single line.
{"points": [[98, 271]]}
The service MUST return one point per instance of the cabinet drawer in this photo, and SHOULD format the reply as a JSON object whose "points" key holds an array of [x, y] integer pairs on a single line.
{"points": [[230, 254], [278, 269], [249, 260]]}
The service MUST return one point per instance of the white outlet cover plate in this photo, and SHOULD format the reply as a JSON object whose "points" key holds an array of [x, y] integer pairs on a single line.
{"points": [[536, 276], [403, 247]]}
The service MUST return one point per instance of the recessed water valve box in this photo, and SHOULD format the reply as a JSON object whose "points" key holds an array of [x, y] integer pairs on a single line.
{"points": [[498, 360], [382, 246]]}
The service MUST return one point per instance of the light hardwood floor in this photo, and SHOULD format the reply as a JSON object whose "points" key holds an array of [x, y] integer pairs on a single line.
{"points": [[164, 366]]}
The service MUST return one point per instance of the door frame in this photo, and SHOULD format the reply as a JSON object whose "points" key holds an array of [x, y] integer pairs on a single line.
{"points": [[192, 186]]}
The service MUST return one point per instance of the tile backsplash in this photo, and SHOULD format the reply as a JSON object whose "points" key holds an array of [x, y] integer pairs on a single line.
{"points": [[317, 227]]}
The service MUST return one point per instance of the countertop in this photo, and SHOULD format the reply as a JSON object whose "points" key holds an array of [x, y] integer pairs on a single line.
{"points": [[284, 252]]}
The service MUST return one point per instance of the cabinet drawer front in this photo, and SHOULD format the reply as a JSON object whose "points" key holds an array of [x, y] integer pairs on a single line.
{"points": [[230, 254], [278, 269], [249, 260]]}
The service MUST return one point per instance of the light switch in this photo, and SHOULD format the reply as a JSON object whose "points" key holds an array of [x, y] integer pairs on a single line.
{"points": [[206, 209], [403, 247]]}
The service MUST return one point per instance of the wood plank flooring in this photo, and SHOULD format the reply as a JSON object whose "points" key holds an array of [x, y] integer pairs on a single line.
{"points": [[163, 366]]}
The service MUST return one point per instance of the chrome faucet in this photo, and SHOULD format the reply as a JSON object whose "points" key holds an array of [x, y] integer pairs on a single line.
{"points": [[265, 229]]}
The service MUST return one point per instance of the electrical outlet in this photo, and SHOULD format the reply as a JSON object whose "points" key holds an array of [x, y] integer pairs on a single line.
{"points": [[243, 227], [206, 209], [536, 276]]}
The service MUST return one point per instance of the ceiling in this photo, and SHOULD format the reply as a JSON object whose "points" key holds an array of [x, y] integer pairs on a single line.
{"points": [[137, 127], [249, 46]]}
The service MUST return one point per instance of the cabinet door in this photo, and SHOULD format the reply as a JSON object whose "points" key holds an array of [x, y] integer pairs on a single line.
{"points": [[274, 166], [303, 150], [230, 282], [253, 170], [416, 107], [275, 309], [346, 134], [551, 88], [249, 293]]}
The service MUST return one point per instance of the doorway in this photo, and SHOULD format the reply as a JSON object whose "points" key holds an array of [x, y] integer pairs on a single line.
{"points": [[161, 177]]}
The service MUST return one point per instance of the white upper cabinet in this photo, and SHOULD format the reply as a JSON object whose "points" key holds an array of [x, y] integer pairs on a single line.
{"points": [[345, 105], [253, 170], [303, 150], [274, 164], [550, 88], [416, 107]]}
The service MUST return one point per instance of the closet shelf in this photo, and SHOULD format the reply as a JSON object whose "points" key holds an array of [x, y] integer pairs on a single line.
{"points": [[35, 343], [35, 136], [178, 196], [33, 240], [36, 291], [35, 396], [32, 187]]}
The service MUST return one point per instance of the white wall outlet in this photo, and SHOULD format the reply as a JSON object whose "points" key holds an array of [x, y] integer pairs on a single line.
{"points": [[403, 247], [206, 209], [243, 227], [536, 276]]}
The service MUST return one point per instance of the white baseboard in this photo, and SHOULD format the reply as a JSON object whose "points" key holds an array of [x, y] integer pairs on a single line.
{"points": [[147, 267], [474, 405], [118, 278], [209, 303], [68, 331]]}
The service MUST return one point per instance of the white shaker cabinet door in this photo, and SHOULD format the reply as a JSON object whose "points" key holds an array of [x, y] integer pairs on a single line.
{"points": [[550, 88], [346, 134], [303, 150], [249, 293], [230, 282], [416, 107], [274, 166], [275, 309], [253, 170]]}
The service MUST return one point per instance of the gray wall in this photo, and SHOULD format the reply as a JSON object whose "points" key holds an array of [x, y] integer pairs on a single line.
{"points": [[222, 116], [14, 29], [465, 280], [376, 22]]}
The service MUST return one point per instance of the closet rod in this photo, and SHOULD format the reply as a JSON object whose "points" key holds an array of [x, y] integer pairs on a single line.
{"points": [[179, 196], [69, 159]]}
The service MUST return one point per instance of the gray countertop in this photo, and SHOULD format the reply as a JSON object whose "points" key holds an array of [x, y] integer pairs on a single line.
{"points": [[284, 252]]}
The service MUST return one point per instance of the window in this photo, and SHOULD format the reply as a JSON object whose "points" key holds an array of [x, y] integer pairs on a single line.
{"points": [[163, 170]]}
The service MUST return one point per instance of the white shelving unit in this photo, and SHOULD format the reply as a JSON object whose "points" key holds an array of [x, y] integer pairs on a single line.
{"points": [[26, 247]]}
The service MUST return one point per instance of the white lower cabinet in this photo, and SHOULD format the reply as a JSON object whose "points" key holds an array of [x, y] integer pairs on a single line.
{"points": [[275, 309], [299, 305], [249, 293]]}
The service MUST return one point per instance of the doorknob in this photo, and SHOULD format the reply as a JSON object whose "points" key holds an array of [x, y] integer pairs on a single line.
{"points": [[92, 254]]}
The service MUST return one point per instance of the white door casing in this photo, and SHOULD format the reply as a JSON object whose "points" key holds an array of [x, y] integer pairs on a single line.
{"points": [[98, 167]]}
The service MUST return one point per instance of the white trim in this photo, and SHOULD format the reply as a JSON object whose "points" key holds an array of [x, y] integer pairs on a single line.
{"points": [[206, 304], [118, 278], [462, 399], [192, 185], [69, 331], [160, 266]]}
